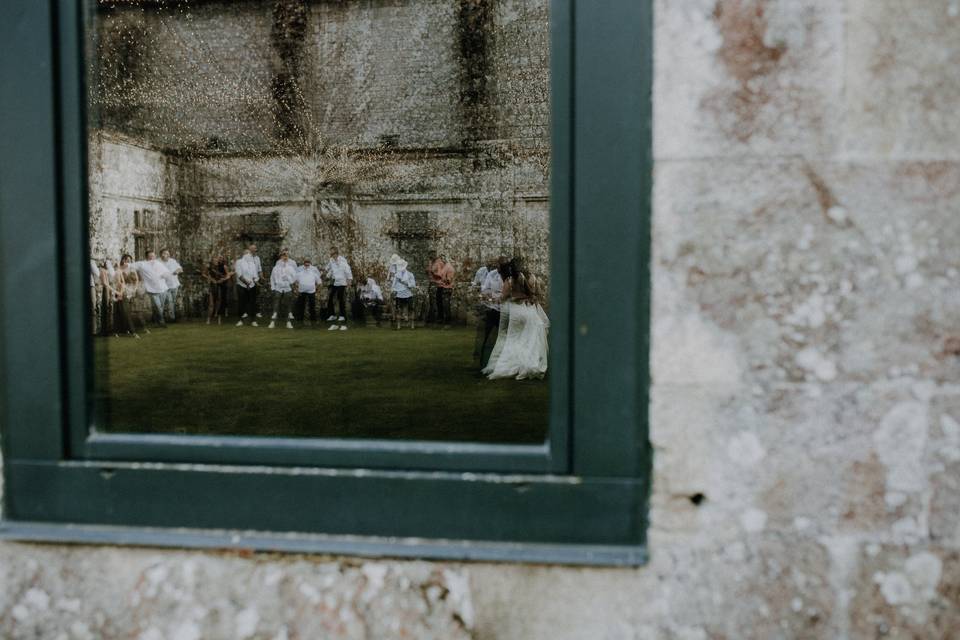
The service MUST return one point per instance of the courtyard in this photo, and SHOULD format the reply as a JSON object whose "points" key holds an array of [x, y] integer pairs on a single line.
{"points": [[367, 382]]}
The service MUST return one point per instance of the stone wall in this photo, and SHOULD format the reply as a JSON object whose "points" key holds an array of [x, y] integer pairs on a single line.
{"points": [[337, 120], [806, 410]]}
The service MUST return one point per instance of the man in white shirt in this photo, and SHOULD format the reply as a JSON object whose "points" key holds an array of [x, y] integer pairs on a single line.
{"points": [[401, 288], [479, 276], [154, 277], [173, 282], [255, 308], [282, 279], [490, 294], [248, 276], [340, 277], [308, 279]]}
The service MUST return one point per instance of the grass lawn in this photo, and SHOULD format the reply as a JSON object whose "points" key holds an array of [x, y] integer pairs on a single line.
{"points": [[362, 383]]}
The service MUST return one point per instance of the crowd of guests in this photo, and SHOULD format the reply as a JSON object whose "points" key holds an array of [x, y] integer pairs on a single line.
{"points": [[511, 323]]}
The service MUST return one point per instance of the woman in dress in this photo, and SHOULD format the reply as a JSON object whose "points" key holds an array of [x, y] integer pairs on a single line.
{"points": [[125, 288], [521, 348], [217, 274]]}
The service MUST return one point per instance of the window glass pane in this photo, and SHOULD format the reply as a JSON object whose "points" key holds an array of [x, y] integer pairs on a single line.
{"points": [[323, 218]]}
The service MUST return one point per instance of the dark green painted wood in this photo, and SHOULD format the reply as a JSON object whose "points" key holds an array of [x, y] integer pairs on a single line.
{"points": [[327, 452], [29, 322], [611, 237], [561, 227], [554, 457], [601, 87], [76, 327], [543, 509], [365, 546]]}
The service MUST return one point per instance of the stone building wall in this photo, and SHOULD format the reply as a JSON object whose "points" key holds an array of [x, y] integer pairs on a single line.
{"points": [[434, 110], [805, 405]]}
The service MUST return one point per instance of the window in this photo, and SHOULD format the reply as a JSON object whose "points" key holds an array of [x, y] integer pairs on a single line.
{"points": [[577, 495]]}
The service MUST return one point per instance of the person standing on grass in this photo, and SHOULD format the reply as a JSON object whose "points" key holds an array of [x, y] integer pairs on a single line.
{"points": [[433, 280], [246, 268], [255, 296], [173, 282], [154, 276], [340, 277], [308, 279], [490, 293], [282, 280], [401, 289], [445, 276], [217, 274], [124, 290], [107, 297]]}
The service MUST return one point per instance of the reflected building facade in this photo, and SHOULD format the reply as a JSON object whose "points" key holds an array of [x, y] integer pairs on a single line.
{"points": [[379, 127]]}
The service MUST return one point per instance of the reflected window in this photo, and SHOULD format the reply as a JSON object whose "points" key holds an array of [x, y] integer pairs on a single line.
{"points": [[321, 218]]}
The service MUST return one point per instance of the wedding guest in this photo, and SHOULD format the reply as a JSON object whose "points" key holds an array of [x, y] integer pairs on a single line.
{"points": [[154, 276], [282, 279], [445, 276], [340, 277], [217, 275], [401, 288], [308, 279], [370, 298], [434, 266], [106, 275], [255, 295], [247, 271], [126, 284], [173, 282]]}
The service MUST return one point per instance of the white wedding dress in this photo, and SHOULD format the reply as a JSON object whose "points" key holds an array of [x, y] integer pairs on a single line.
{"points": [[521, 348]]}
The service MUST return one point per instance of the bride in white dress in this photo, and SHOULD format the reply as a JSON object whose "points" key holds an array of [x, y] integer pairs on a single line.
{"points": [[521, 348]]}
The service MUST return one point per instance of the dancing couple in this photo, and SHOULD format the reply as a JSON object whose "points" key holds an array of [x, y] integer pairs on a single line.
{"points": [[520, 350]]}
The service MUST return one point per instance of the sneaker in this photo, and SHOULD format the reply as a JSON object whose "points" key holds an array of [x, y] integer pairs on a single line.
{"points": [[332, 327], [289, 316], [343, 327], [289, 325], [208, 320], [331, 318], [240, 324], [341, 319], [244, 316], [254, 324], [273, 317], [259, 315], [271, 325]]}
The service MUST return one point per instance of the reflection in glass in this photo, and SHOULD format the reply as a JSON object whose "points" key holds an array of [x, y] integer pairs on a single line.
{"points": [[320, 218]]}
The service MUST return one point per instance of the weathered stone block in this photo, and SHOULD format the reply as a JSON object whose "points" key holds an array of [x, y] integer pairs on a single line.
{"points": [[901, 90], [738, 77]]}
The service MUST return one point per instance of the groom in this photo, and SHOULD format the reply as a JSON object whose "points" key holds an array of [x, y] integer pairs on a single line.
{"points": [[491, 291]]}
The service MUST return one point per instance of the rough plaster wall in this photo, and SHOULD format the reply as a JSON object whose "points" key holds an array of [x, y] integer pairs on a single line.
{"points": [[803, 287], [127, 177]]}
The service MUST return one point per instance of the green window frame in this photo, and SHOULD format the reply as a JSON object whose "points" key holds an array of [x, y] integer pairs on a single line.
{"points": [[579, 498]]}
